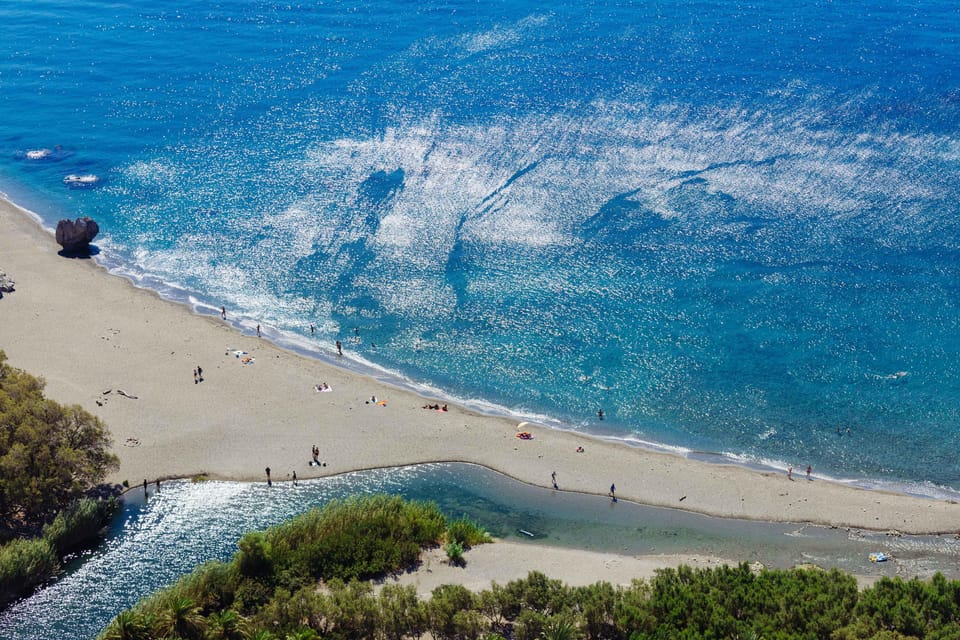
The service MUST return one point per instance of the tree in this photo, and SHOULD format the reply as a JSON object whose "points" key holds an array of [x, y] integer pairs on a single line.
{"points": [[180, 617], [227, 625], [446, 602], [401, 612], [559, 628], [127, 626], [49, 454]]}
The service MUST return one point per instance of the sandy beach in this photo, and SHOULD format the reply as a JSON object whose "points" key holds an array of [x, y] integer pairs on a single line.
{"points": [[502, 562], [127, 355]]}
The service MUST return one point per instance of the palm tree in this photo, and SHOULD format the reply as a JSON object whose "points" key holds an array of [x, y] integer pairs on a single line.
{"points": [[126, 626], [559, 629], [180, 617], [228, 625]]}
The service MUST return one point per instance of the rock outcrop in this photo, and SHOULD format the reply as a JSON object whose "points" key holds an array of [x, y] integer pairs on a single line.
{"points": [[75, 235]]}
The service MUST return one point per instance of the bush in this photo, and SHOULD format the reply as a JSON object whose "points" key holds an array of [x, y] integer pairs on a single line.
{"points": [[25, 564], [454, 553], [79, 525], [466, 533], [355, 538]]}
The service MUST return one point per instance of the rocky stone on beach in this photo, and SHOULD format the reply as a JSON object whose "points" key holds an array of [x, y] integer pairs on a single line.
{"points": [[75, 235], [6, 283]]}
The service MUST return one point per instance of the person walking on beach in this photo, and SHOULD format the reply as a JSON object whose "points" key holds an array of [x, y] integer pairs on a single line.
{"points": [[269, 482], [316, 455], [613, 492], [258, 330], [789, 473], [553, 477], [339, 348], [294, 478], [809, 469], [196, 379], [199, 373], [223, 313]]}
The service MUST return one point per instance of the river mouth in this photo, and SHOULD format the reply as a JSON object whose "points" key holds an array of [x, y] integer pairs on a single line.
{"points": [[152, 542]]}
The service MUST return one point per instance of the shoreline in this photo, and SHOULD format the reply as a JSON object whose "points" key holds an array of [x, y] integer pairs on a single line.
{"points": [[296, 345], [91, 335]]}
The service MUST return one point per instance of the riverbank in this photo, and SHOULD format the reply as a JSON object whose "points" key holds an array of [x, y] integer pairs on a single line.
{"points": [[504, 561], [127, 355]]}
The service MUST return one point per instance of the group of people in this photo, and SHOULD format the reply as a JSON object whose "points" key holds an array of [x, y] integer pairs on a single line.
{"points": [[323, 386], [790, 472], [435, 407]]}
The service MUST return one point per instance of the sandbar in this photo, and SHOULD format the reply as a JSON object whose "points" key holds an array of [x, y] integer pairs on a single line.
{"points": [[127, 355]]}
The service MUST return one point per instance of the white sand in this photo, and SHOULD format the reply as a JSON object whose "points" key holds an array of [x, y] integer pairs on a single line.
{"points": [[503, 561]]}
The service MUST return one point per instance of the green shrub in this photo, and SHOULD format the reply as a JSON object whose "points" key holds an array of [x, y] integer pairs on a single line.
{"points": [[253, 558], [467, 533], [454, 553], [79, 525], [446, 603], [25, 564], [355, 538]]}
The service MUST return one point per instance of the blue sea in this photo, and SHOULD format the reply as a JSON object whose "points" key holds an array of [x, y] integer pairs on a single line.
{"points": [[734, 227]]}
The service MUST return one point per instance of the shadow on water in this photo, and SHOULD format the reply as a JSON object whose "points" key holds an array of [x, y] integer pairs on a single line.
{"points": [[154, 541]]}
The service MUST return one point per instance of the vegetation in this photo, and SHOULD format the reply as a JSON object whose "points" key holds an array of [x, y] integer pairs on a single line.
{"points": [[287, 583], [26, 563], [50, 455], [275, 573], [79, 523]]}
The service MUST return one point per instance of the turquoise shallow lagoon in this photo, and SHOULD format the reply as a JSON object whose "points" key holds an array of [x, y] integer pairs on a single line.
{"points": [[155, 541]]}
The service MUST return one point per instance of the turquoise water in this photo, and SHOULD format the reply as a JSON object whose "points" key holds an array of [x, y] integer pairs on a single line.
{"points": [[154, 542], [732, 227]]}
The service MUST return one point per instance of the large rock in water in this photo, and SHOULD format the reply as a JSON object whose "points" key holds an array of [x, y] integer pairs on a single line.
{"points": [[75, 235]]}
